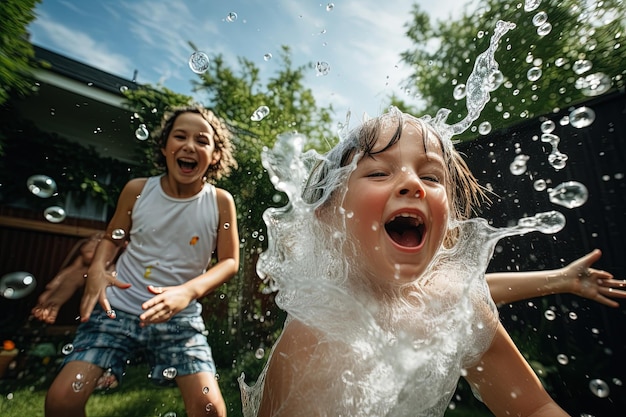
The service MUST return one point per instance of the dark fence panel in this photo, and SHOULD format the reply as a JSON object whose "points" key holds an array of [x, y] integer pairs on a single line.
{"points": [[593, 337]]}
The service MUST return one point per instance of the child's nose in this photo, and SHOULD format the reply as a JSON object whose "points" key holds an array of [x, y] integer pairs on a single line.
{"points": [[412, 186]]}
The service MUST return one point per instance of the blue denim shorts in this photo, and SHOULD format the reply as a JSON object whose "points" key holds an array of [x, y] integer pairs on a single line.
{"points": [[176, 347]]}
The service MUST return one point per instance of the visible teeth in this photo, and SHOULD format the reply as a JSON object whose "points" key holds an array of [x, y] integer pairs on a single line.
{"points": [[409, 215]]}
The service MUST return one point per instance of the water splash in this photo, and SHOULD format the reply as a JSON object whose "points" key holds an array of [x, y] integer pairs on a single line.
{"points": [[401, 357]]}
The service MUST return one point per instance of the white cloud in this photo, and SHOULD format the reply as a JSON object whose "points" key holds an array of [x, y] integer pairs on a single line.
{"points": [[80, 46]]}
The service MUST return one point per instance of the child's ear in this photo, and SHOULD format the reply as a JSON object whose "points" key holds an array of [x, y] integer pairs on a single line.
{"points": [[163, 152], [217, 155]]}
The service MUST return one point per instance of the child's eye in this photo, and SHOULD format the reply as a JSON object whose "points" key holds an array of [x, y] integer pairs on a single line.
{"points": [[430, 178], [377, 174]]}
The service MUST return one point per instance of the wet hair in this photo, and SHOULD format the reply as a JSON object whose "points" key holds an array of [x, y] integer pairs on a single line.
{"points": [[222, 136], [465, 194]]}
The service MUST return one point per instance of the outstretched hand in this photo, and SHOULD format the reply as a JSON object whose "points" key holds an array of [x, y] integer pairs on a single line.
{"points": [[594, 284], [95, 291], [167, 302]]}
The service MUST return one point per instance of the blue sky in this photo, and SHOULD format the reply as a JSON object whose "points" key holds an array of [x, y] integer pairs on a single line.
{"points": [[361, 40]]}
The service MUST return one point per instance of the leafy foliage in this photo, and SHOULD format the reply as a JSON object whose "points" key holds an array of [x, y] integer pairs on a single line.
{"points": [[573, 34]]}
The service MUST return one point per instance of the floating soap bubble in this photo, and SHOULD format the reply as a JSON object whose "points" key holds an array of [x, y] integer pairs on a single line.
{"points": [[540, 185], [459, 92], [484, 128], [518, 166], [199, 62], [549, 222], [582, 117], [581, 66], [142, 132], [540, 18], [231, 17], [260, 113], [267, 56], [530, 5], [322, 68], [533, 74], [544, 29], [599, 388], [569, 194], [15, 285], [594, 84], [547, 126], [54, 214], [260, 353], [118, 234], [170, 373], [41, 185]]}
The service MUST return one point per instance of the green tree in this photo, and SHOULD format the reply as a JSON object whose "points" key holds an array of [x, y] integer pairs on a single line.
{"points": [[560, 54], [16, 51]]}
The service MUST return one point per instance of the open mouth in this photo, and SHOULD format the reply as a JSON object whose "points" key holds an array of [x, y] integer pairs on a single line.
{"points": [[186, 165], [406, 229]]}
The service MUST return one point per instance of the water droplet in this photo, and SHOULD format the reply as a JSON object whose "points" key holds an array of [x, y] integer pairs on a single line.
{"points": [[495, 80], [54, 214], [533, 74], [530, 5], [547, 126], [226, 226], [569, 194], [259, 353], [17, 284], [67, 349], [330, 7], [582, 117], [540, 185], [123, 89], [549, 222], [205, 390], [118, 234], [556, 158], [459, 92], [231, 17], [544, 29], [142, 132], [77, 385], [540, 18], [322, 68], [594, 84], [267, 56], [170, 373], [518, 166], [484, 128], [549, 315], [599, 388], [260, 113], [581, 66], [41, 185], [170, 414], [617, 382], [209, 407], [199, 62], [562, 359], [573, 316]]}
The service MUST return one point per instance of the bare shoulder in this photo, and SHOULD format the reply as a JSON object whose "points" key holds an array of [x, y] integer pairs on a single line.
{"points": [[224, 196], [135, 185]]}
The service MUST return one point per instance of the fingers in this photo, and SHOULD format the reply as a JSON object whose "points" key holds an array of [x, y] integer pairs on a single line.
{"points": [[87, 304]]}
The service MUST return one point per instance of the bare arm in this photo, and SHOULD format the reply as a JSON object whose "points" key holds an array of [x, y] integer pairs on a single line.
{"points": [[98, 278], [508, 385], [170, 300], [576, 278]]}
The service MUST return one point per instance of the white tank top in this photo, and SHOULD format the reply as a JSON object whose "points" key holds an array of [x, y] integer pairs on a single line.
{"points": [[171, 242]]}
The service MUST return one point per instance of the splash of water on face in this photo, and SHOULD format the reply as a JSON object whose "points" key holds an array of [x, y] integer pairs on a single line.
{"points": [[390, 357]]}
